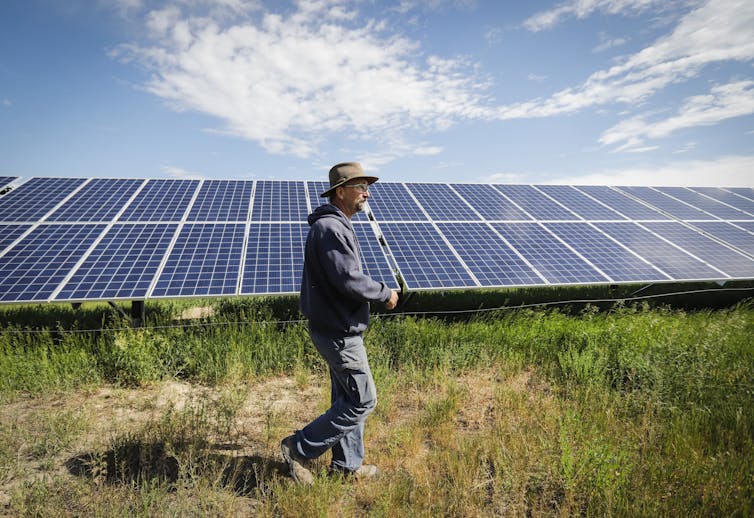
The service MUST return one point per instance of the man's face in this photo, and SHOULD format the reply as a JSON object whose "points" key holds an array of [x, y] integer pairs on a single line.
{"points": [[354, 195]]}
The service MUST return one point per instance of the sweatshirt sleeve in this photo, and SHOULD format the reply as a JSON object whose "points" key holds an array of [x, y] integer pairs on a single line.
{"points": [[340, 263]]}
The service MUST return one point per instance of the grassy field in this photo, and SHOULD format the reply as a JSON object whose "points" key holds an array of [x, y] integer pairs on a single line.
{"points": [[627, 411]]}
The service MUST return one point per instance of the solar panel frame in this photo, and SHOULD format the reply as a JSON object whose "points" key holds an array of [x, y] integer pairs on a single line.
{"points": [[618, 262], [671, 259], [34, 199], [441, 203], [7, 180], [9, 233], [390, 202], [710, 206], [622, 204], [427, 262], [489, 202], [279, 201], [161, 200], [730, 233], [729, 198], [212, 252], [746, 192], [99, 200], [676, 208], [492, 261], [32, 269], [122, 265], [554, 260], [579, 203], [280, 244], [732, 262], [537, 204], [222, 201]]}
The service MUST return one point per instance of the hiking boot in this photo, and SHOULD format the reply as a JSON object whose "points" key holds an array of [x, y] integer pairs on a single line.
{"points": [[296, 463], [364, 472]]}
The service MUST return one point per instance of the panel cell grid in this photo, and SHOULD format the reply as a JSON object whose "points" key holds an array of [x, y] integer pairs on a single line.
{"points": [[222, 201], [161, 200], [550, 257], [122, 265], [535, 203], [316, 188], [36, 265], [5, 180], [423, 258], [441, 203], [746, 192], [374, 263], [274, 258], [205, 260], [491, 261], [279, 201], [621, 203], [729, 233], [673, 207], [580, 203], [488, 202], [743, 204], [98, 201], [32, 200], [9, 233], [723, 258], [392, 202], [676, 263], [617, 262], [704, 203]]}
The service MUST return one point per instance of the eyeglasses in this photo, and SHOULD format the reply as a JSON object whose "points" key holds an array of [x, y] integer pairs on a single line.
{"points": [[361, 187]]}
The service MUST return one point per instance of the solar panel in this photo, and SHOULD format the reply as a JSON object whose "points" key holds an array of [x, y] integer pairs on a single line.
{"points": [[441, 203], [316, 188], [580, 203], [663, 202], [732, 234], [274, 258], [535, 203], [392, 202], [621, 203], [747, 225], [35, 198], [122, 265], [205, 260], [551, 258], [9, 233], [746, 192], [733, 263], [99, 200], [734, 200], [222, 201], [616, 261], [5, 180], [488, 202], [161, 200], [670, 259], [424, 259], [36, 265], [374, 262], [697, 200], [279, 201], [488, 257]]}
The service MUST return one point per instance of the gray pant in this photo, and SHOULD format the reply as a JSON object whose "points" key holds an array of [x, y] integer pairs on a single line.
{"points": [[353, 396]]}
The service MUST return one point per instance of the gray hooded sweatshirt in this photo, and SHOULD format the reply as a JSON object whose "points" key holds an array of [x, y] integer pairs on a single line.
{"points": [[335, 293]]}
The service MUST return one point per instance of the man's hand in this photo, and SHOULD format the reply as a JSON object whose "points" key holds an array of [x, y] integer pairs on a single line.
{"points": [[390, 304]]}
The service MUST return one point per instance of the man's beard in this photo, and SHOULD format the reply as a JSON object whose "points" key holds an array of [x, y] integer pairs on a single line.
{"points": [[359, 206]]}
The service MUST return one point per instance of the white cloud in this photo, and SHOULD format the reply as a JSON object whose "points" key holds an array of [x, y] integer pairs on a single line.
{"points": [[7, 102], [583, 8], [722, 102], [718, 31], [428, 150], [177, 172], [289, 82], [730, 171], [607, 43]]}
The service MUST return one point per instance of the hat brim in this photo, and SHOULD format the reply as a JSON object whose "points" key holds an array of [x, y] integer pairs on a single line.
{"points": [[370, 180]]}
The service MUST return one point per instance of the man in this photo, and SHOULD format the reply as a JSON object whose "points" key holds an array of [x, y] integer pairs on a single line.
{"points": [[335, 296]]}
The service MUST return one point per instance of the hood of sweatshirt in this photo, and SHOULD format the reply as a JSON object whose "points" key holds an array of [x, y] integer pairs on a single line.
{"points": [[327, 211]]}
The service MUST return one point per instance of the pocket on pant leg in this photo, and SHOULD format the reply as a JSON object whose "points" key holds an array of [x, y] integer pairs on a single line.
{"points": [[361, 387]]}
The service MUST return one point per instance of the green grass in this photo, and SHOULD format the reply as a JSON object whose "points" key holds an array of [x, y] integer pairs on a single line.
{"points": [[632, 411]]}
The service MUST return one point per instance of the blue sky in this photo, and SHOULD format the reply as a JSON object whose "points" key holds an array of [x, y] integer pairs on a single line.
{"points": [[653, 92]]}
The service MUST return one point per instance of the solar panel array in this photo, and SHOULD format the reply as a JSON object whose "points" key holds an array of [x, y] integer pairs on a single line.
{"points": [[77, 239]]}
